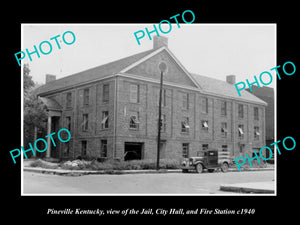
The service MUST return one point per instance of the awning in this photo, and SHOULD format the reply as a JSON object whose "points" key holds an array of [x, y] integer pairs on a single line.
{"points": [[133, 119], [104, 120], [224, 129], [185, 124]]}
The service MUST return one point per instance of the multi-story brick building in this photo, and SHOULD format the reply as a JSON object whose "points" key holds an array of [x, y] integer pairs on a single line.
{"points": [[267, 94], [112, 110]]}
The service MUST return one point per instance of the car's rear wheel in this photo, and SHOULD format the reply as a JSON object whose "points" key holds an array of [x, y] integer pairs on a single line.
{"points": [[224, 167], [199, 168]]}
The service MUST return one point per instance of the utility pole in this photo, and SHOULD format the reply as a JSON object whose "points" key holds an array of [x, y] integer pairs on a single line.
{"points": [[162, 67]]}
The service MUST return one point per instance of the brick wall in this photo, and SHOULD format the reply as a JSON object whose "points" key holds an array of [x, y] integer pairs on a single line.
{"points": [[197, 135], [147, 108]]}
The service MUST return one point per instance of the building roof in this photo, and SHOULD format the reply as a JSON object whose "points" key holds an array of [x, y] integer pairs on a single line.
{"points": [[208, 85], [51, 104], [263, 91], [93, 73], [218, 87]]}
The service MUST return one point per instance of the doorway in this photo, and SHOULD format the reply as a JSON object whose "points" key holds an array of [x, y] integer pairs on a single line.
{"points": [[55, 125], [133, 151]]}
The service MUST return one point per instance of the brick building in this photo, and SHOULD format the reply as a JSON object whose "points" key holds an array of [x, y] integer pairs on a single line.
{"points": [[267, 95], [112, 110]]}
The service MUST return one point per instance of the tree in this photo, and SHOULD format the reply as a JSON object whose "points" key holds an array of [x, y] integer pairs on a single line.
{"points": [[35, 113], [28, 82]]}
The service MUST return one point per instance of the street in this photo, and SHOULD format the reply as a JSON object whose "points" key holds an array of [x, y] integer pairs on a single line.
{"points": [[162, 183]]}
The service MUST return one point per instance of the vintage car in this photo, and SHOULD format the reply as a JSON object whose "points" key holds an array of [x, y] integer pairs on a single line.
{"points": [[208, 159]]}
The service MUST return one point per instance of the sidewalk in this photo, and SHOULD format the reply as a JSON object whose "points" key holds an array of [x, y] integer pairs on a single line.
{"points": [[254, 187], [88, 172]]}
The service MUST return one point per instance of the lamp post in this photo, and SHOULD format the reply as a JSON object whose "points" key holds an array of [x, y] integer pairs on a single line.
{"points": [[162, 67]]}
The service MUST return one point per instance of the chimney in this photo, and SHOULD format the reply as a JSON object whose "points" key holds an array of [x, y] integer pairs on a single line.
{"points": [[159, 42], [50, 78], [230, 79]]}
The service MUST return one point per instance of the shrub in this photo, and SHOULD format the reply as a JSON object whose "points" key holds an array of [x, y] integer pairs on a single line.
{"points": [[95, 165], [44, 164], [109, 165], [255, 164]]}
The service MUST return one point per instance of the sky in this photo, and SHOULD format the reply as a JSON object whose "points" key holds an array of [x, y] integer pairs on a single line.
{"points": [[213, 50]]}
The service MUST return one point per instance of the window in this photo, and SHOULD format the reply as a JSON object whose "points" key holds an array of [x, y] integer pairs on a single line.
{"points": [[105, 93], [224, 129], [204, 105], [185, 100], [134, 120], [69, 100], [85, 123], [256, 115], [223, 108], [134, 93], [241, 111], [185, 127], [185, 150], [242, 146], [104, 122], [103, 149], [204, 125], [204, 147], [224, 148], [163, 97], [83, 148], [68, 122], [241, 130], [86, 96], [256, 150], [256, 133]]}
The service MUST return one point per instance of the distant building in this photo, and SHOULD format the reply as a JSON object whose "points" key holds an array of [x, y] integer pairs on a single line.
{"points": [[267, 94], [112, 111]]}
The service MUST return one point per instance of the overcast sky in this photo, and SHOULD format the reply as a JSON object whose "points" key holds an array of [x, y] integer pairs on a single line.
{"points": [[213, 50]]}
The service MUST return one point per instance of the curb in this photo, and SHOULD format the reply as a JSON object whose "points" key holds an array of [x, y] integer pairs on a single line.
{"points": [[93, 172], [246, 188], [117, 172], [250, 169]]}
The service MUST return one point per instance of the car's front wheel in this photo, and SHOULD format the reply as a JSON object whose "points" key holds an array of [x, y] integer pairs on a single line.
{"points": [[199, 168], [224, 167]]}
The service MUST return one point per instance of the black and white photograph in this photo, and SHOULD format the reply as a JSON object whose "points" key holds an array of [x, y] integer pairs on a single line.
{"points": [[133, 113], [109, 89]]}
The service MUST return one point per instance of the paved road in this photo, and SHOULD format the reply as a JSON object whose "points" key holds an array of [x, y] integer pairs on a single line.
{"points": [[169, 183]]}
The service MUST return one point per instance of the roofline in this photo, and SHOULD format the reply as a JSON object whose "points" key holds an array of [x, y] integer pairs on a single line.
{"points": [[156, 52], [42, 94], [141, 60], [137, 77]]}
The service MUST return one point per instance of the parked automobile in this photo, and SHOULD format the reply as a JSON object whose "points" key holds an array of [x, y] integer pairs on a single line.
{"points": [[210, 159]]}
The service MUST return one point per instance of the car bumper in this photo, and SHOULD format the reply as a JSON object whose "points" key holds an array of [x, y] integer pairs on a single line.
{"points": [[188, 167]]}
